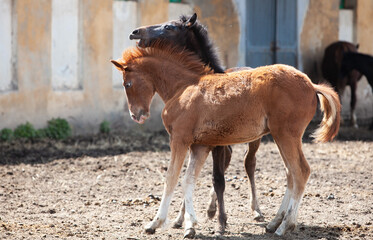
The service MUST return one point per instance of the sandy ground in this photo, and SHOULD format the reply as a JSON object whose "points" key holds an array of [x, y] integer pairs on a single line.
{"points": [[109, 187]]}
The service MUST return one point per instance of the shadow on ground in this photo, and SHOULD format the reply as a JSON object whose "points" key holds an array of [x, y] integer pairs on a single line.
{"points": [[301, 232], [46, 150]]}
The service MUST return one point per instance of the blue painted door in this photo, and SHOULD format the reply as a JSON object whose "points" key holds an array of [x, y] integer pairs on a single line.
{"points": [[272, 32]]}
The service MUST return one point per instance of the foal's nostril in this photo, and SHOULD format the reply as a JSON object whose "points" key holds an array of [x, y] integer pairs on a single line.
{"points": [[135, 31]]}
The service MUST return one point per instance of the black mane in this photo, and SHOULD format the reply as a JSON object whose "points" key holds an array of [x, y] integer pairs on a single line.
{"points": [[202, 44]]}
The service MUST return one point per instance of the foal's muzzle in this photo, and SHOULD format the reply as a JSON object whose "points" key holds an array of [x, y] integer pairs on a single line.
{"points": [[136, 34], [140, 117]]}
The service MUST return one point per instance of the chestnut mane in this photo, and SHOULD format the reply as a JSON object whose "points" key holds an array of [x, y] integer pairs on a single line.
{"points": [[162, 50]]}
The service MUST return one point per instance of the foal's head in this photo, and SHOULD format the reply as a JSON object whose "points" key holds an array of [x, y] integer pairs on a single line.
{"points": [[174, 31], [160, 67], [139, 89], [186, 32]]}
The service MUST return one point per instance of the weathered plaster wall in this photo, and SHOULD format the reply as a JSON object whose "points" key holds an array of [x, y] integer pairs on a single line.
{"points": [[65, 44], [29, 102], [5, 41], [35, 100], [152, 12], [320, 28], [97, 99], [240, 8], [222, 21], [32, 97], [124, 21], [364, 14]]}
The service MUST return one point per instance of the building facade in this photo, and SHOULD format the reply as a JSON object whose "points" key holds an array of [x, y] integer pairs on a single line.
{"points": [[55, 55]]}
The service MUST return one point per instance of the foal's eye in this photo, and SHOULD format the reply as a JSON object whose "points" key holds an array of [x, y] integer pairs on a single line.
{"points": [[128, 84]]}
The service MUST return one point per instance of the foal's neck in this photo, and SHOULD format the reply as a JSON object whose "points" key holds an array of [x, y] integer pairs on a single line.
{"points": [[169, 77]]}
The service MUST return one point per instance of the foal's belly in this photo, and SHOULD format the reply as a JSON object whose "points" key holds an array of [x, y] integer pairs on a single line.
{"points": [[219, 141], [226, 133]]}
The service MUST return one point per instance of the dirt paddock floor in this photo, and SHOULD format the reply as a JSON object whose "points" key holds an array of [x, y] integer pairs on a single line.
{"points": [[109, 187]]}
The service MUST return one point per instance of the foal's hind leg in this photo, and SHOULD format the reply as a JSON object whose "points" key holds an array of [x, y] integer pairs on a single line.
{"points": [[250, 163], [297, 172], [178, 223], [221, 156]]}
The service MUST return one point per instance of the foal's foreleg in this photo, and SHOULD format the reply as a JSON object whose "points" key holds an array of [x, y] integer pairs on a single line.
{"points": [[250, 163], [198, 155], [178, 152], [178, 223]]}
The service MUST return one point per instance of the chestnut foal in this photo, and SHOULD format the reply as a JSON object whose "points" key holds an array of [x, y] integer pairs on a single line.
{"points": [[187, 32], [204, 110]]}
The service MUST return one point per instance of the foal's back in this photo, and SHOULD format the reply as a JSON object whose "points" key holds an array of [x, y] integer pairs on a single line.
{"points": [[259, 83]]}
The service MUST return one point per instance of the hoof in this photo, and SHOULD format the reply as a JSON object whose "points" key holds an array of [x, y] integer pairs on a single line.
{"points": [[222, 224], [282, 229], [211, 213], [150, 230], [280, 232], [270, 230], [273, 225], [221, 230], [190, 233], [259, 218], [177, 225]]}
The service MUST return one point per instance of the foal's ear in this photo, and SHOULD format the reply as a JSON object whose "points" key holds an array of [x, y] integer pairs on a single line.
{"points": [[118, 65], [191, 21]]}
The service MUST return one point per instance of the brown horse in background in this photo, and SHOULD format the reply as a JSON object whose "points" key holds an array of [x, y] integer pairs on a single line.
{"points": [[331, 71], [189, 33], [203, 110], [363, 63]]}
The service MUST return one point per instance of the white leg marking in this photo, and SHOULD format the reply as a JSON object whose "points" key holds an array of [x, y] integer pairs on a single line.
{"points": [[290, 218], [161, 216], [272, 226], [197, 158], [354, 120], [190, 215]]}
